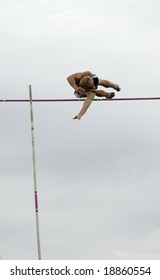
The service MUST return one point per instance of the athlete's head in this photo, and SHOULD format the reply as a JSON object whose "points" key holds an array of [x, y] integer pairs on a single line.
{"points": [[86, 82]]}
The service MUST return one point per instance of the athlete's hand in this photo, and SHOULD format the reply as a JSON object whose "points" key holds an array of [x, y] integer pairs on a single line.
{"points": [[76, 118], [80, 90]]}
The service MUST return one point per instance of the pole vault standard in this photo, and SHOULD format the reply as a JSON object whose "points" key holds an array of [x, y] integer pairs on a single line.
{"points": [[30, 100], [34, 175]]}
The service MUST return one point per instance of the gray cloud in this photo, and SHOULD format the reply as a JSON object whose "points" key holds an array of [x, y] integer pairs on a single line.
{"points": [[98, 179]]}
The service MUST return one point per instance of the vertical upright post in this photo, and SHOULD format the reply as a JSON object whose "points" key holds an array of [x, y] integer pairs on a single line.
{"points": [[34, 175]]}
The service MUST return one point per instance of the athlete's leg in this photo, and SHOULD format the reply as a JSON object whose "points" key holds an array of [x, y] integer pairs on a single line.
{"points": [[109, 84], [102, 93]]}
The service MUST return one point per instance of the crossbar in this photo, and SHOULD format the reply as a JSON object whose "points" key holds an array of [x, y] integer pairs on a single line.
{"points": [[81, 99]]}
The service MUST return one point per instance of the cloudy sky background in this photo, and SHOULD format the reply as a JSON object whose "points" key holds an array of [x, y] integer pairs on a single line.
{"points": [[98, 178]]}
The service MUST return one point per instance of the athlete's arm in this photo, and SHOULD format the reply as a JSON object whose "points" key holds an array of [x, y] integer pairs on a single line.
{"points": [[86, 104]]}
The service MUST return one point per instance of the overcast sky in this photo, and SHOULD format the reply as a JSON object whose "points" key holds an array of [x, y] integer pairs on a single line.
{"points": [[98, 178]]}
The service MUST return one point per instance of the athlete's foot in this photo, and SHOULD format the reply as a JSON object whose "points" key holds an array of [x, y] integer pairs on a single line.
{"points": [[117, 87], [110, 95]]}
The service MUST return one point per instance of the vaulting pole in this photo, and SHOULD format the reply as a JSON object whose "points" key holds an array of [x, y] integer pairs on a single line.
{"points": [[34, 175]]}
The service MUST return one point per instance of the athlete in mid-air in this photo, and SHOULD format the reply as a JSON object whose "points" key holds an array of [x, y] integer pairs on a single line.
{"points": [[86, 85]]}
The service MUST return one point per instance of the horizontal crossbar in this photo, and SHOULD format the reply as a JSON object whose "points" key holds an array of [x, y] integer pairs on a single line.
{"points": [[81, 99]]}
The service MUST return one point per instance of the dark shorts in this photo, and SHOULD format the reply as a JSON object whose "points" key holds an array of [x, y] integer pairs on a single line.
{"points": [[95, 81]]}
